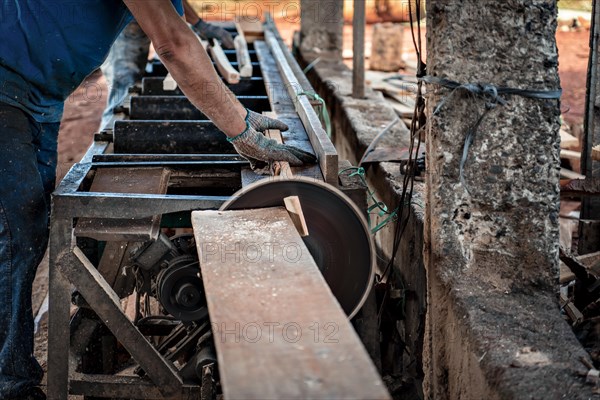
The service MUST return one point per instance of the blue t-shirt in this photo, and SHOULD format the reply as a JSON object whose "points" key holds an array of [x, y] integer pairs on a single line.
{"points": [[48, 47]]}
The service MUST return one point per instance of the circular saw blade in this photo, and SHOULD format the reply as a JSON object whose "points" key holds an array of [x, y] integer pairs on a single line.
{"points": [[338, 240]]}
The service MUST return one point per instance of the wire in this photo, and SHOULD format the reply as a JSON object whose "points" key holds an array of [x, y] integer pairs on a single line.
{"points": [[416, 127]]}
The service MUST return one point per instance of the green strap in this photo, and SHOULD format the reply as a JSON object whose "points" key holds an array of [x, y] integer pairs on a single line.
{"points": [[324, 113], [233, 139], [376, 204]]}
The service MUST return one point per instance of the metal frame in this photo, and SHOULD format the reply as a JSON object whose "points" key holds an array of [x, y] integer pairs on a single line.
{"points": [[69, 266]]}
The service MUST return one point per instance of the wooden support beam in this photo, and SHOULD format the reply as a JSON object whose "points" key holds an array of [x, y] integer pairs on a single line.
{"points": [[358, 44], [253, 29], [105, 302], [241, 52], [326, 152], [223, 65], [279, 331]]}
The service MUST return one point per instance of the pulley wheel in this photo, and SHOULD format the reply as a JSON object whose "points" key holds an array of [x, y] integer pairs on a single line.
{"points": [[180, 289], [338, 240]]}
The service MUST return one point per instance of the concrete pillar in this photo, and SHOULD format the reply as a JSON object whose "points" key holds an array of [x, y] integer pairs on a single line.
{"points": [[492, 252], [321, 25]]}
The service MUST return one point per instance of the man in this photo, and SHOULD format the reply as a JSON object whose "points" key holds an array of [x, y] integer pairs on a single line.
{"points": [[129, 54], [48, 47]]}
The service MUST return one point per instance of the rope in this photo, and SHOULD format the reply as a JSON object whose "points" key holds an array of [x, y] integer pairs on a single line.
{"points": [[324, 113], [493, 96], [383, 208]]}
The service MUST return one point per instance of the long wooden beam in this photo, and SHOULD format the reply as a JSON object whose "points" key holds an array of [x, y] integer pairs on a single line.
{"points": [[279, 332], [326, 153]]}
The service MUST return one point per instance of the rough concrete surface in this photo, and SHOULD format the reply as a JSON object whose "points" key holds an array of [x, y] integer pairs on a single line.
{"points": [[356, 122], [493, 325]]}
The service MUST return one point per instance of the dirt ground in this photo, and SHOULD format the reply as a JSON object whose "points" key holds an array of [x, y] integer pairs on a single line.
{"points": [[573, 50], [84, 108]]}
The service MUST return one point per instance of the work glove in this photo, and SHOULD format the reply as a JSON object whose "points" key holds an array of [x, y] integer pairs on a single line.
{"points": [[261, 123], [208, 31], [260, 150]]}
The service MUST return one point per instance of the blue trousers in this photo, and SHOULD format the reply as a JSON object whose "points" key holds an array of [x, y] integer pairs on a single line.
{"points": [[28, 161], [123, 67]]}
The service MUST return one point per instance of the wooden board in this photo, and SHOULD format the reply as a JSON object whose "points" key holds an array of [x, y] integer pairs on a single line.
{"points": [[283, 107], [223, 65], [279, 332], [567, 140], [253, 29], [241, 52], [570, 155], [596, 153], [321, 143], [169, 83], [125, 180], [568, 174]]}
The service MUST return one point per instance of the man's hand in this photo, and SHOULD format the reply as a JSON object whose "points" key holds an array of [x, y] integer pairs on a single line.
{"points": [[262, 123], [254, 146], [208, 31]]}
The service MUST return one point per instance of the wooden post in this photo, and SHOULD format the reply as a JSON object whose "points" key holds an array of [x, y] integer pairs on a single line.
{"points": [[589, 229], [358, 42], [322, 26]]}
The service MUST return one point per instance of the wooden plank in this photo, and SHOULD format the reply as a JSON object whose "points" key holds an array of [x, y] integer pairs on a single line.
{"points": [[566, 275], [241, 52], [568, 174], [105, 302], [570, 154], [125, 180], [596, 153], [279, 331], [283, 107], [169, 83], [282, 168], [294, 208], [567, 140], [253, 29], [326, 152], [358, 45], [223, 65]]}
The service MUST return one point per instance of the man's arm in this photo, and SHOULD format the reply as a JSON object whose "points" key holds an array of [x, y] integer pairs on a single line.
{"points": [[188, 63]]}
